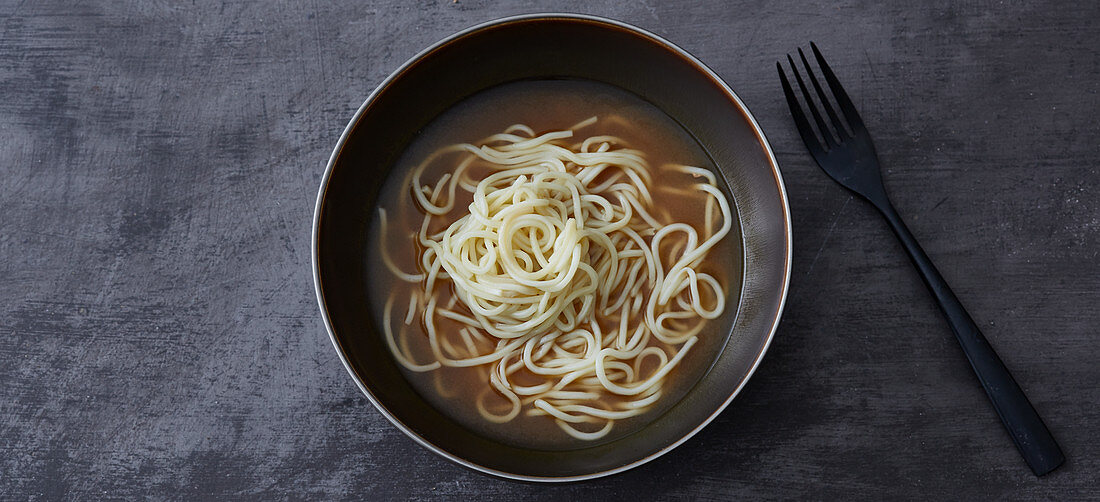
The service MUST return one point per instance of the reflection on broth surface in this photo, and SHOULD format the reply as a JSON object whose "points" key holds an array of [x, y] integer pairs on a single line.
{"points": [[554, 262]]}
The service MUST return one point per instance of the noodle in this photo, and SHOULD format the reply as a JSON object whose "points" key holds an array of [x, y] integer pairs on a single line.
{"points": [[560, 237]]}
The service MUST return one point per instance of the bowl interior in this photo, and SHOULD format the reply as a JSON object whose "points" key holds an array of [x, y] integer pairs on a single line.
{"points": [[531, 48]]}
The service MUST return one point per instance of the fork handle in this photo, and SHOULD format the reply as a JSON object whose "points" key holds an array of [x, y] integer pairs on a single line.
{"points": [[1038, 447]]}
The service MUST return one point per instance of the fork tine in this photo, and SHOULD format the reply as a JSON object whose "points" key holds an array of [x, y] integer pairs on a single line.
{"points": [[841, 132], [825, 135], [800, 121], [846, 106]]}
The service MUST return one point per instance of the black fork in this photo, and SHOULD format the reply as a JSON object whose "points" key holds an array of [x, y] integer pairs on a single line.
{"points": [[847, 155]]}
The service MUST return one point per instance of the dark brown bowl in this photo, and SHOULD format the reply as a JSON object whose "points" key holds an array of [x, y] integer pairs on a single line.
{"points": [[531, 47]]}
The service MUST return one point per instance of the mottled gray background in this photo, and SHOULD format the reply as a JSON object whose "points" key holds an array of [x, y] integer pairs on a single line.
{"points": [[159, 334]]}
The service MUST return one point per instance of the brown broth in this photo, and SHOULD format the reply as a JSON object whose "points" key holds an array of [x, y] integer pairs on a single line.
{"points": [[546, 105]]}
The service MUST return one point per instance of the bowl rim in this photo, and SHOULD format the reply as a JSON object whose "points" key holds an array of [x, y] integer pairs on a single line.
{"points": [[701, 67]]}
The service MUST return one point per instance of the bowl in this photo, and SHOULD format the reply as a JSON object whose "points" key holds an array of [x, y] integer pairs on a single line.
{"points": [[534, 47]]}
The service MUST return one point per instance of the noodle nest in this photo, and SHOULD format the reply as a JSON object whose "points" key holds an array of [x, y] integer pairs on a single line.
{"points": [[563, 286]]}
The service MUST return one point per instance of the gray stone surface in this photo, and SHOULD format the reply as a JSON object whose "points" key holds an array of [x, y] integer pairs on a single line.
{"points": [[159, 335]]}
